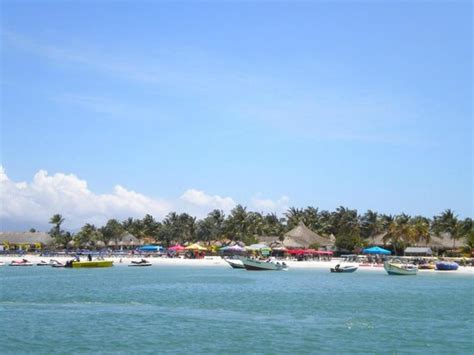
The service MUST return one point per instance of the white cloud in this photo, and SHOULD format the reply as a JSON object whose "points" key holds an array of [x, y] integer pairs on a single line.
{"points": [[31, 204], [200, 198], [37, 201], [269, 205]]}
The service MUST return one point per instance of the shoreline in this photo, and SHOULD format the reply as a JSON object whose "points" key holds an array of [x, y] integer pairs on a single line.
{"points": [[217, 261]]}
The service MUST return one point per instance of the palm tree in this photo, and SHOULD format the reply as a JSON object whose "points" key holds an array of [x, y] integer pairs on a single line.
{"points": [[293, 217], [399, 232], [88, 235], [421, 229], [370, 224], [113, 230], [59, 236], [346, 228], [447, 222]]}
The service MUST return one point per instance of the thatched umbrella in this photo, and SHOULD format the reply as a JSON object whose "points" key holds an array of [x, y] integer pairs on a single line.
{"points": [[302, 237]]}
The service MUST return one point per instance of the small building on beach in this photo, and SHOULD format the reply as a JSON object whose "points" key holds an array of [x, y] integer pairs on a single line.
{"points": [[25, 240], [418, 251]]}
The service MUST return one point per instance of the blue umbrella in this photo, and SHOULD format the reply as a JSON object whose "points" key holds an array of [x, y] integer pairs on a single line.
{"points": [[377, 250]]}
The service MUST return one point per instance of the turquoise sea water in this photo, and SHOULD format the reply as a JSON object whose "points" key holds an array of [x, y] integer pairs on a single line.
{"points": [[221, 310]]}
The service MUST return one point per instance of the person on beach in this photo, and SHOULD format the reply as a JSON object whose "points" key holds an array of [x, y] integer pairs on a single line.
{"points": [[89, 257]]}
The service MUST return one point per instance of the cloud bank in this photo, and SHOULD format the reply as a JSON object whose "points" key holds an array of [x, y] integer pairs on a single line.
{"points": [[31, 204]]}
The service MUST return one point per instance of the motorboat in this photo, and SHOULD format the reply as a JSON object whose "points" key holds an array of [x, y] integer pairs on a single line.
{"points": [[43, 263], [345, 268], [142, 262], [399, 268], [264, 265], [235, 263], [88, 264], [446, 266], [22, 262], [426, 266], [55, 263], [2, 263]]}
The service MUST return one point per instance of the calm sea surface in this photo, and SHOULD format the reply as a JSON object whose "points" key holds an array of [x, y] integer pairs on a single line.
{"points": [[221, 310]]}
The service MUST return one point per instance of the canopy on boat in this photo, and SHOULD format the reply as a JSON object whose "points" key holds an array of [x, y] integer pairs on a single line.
{"points": [[150, 248], [235, 248], [195, 246], [258, 247], [177, 247], [309, 252], [376, 250]]}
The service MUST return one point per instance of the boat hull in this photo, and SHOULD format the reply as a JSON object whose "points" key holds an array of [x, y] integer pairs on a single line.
{"points": [[345, 269], [235, 263], [21, 264], [90, 264], [142, 264], [256, 265], [400, 269]]}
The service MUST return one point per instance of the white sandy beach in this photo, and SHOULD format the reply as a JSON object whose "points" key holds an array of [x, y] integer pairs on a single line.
{"points": [[216, 261]]}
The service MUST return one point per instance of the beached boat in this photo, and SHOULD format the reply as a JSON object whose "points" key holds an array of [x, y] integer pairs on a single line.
{"points": [[426, 266], [43, 263], [142, 262], [396, 268], [2, 263], [446, 266], [88, 264], [235, 263], [22, 262], [346, 268], [257, 265]]}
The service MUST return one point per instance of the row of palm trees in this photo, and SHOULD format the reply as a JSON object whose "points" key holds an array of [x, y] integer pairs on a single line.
{"points": [[350, 229]]}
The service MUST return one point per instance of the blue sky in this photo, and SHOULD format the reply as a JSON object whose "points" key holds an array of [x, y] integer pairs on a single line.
{"points": [[267, 104]]}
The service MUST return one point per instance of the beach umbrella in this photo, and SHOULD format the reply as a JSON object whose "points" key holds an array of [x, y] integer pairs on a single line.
{"points": [[377, 250], [195, 246], [177, 247]]}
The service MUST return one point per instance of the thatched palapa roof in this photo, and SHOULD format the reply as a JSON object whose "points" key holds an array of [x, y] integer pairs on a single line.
{"points": [[302, 237], [26, 238], [442, 241]]}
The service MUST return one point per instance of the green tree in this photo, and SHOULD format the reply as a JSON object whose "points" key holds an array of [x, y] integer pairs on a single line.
{"points": [[237, 225], [113, 230], [211, 227], [293, 217], [448, 223], [346, 228], [88, 236], [60, 237]]}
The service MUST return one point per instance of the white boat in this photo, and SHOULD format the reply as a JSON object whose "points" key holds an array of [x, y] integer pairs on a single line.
{"points": [[344, 268], [2, 263], [258, 265], [43, 263], [398, 268], [55, 263], [22, 262], [142, 262], [235, 263]]}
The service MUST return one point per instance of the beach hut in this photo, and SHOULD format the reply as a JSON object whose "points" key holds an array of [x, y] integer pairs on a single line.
{"points": [[418, 251], [25, 240], [302, 237]]}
